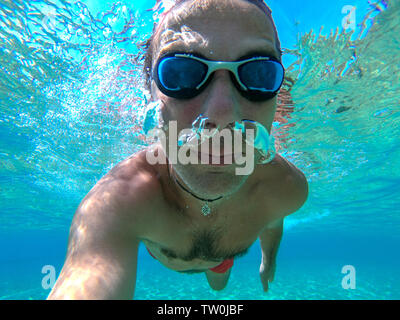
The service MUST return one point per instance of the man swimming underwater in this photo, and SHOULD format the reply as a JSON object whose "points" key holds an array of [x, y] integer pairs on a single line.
{"points": [[192, 217]]}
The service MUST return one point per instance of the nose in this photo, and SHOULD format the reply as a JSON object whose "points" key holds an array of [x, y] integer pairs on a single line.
{"points": [[221, 105]]}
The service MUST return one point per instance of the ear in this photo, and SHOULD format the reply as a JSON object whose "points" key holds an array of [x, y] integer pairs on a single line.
{"points": [[153, 91]]}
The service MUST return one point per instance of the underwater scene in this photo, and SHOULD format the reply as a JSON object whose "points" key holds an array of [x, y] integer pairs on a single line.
{"points": [[73, 104]]}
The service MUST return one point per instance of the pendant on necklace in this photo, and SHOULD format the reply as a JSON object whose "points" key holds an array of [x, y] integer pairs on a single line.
{"points": [[205, 209]]}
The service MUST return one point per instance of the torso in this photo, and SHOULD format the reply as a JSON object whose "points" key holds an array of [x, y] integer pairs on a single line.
{"points": [[181, 242]]}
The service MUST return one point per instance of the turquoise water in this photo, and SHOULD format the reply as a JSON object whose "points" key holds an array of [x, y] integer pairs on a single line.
{"points": [[71, 108]]}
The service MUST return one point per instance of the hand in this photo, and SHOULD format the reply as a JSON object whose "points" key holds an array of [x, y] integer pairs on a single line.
{"points": [[267, 273]]}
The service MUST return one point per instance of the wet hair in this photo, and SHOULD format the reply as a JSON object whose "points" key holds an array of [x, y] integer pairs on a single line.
{"points": [[149, 44]]}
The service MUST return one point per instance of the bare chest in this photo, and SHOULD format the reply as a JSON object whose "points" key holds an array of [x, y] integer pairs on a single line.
{"points": [[182, 244], [183, 241]]}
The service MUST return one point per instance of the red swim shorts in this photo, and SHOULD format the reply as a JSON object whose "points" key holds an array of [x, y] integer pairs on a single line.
{"points": [[223, 267]]}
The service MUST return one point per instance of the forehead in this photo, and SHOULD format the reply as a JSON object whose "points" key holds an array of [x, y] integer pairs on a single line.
{"points": [[219, 30]]}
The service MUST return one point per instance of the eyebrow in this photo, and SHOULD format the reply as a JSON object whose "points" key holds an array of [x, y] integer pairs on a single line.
{"points": [[263, 52], [250, 54]]}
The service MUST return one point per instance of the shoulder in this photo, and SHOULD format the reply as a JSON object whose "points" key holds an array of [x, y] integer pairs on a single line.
{"points": [[289, 186], [124, 197], [133, 178]]}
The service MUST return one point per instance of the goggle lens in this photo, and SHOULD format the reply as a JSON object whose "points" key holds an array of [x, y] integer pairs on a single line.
{"points": [[176, 73], [264, 76]]}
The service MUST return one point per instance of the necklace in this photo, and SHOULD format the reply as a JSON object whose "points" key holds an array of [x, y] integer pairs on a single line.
{"points": [[205, 209]]}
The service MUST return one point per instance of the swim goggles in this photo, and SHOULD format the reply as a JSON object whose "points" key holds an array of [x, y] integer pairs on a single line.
{"points": [[184, 76]]}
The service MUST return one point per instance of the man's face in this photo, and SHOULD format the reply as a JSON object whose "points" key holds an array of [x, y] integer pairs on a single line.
{"points": [[224, 31]]}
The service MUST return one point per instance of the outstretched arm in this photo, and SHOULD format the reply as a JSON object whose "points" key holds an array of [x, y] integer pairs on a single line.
{"points": [[102, 251]]}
